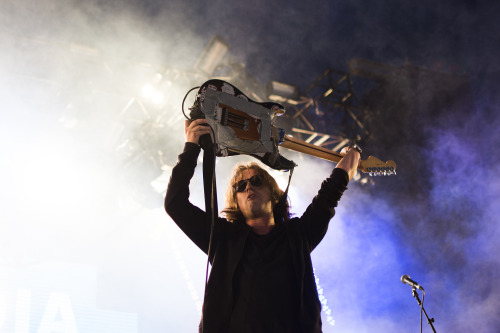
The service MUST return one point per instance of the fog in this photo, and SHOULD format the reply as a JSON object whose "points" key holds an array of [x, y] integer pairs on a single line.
{"points": [[85, 245]]}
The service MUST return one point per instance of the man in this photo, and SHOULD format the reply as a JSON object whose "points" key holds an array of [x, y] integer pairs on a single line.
{"points": [[262, 277]]}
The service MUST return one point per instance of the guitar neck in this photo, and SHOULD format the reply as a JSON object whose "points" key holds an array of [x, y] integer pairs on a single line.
{"points": [[371, 165], [310, 149]]}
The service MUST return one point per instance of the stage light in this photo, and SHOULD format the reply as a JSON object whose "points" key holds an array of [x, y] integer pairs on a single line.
{"points": [[157, 98], [282, 92], [212, 56], [147, 91], [154, 93]]}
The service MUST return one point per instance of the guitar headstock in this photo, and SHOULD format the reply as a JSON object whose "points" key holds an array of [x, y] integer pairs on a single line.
{"points": [[376, 167]]}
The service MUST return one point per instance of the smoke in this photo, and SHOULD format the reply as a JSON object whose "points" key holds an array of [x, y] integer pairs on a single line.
{"points": [[82, 144], [465, 199]]}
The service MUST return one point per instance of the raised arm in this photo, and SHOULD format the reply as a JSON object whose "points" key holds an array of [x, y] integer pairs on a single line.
{"points": [[191, 219], [314, 221]]}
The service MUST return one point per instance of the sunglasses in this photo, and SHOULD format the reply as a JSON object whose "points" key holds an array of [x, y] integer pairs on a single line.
{"points": [[242, 184]]}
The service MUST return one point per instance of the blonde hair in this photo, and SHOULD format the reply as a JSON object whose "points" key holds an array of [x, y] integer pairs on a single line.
{"points": [[231, 210]]}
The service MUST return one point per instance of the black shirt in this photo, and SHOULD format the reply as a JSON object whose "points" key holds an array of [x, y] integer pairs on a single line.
{"points": [[266, 295]]}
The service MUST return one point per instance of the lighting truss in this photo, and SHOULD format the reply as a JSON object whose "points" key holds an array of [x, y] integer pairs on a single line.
{"points": [[321, 139], [328, 105]]}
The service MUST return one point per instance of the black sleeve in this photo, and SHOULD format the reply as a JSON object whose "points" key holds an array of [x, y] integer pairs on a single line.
{"points": [[318, 214], [332, 189], [192, 220]]}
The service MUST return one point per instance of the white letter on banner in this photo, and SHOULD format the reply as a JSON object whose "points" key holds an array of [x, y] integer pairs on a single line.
{"points": [[23, 304], [58, 316]]}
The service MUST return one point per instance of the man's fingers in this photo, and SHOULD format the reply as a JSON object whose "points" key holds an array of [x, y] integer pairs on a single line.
{"points": [[198, 122], [202, 129], [196, 128]]}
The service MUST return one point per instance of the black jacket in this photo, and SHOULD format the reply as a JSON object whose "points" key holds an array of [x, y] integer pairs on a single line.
{"points": [[303, 234]]}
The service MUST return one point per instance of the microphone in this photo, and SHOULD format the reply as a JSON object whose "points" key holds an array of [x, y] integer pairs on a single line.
{"points": [[406, 279]]}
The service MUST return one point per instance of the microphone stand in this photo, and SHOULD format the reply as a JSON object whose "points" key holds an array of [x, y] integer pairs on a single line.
{"points": [[431, 320]]}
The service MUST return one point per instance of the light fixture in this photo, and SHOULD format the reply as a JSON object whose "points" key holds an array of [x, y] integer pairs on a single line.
{"points": [[211, 56], [153, 94], [281, 92]]}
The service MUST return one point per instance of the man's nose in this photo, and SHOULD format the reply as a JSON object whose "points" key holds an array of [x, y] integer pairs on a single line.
{"points": [[248, 186]]}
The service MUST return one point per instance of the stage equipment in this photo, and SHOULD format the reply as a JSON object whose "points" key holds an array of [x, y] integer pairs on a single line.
{"points": [[326, 112], [282, 92], [414, 285], [212, 56], [406, 280]]}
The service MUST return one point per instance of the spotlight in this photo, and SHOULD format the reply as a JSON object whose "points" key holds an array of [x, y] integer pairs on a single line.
{"points": [[152, 94], [282, 92], [148, 91], [212, 56]]}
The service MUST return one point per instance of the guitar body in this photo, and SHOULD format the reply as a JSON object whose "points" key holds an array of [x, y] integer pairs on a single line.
{"points": [[243, 126]]}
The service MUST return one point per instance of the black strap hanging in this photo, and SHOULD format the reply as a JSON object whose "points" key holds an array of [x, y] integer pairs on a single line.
{"points": [[210, 189]]}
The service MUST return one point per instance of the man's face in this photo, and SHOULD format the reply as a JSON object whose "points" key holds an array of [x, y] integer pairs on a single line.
{"points": [[254, 201]]}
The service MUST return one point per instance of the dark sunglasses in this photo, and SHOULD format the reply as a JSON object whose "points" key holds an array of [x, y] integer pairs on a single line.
{"points": [[242, 184]]}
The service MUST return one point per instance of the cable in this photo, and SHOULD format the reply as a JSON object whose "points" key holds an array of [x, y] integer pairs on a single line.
{"points": [[421, 311], [184, 100]]}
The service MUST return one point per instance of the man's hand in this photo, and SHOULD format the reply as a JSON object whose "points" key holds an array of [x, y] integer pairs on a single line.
{"points": [[350, 161], [194, 129]]}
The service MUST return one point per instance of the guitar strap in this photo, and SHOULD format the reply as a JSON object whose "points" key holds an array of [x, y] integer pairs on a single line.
{"points": [[210, 189], [209, 180]]}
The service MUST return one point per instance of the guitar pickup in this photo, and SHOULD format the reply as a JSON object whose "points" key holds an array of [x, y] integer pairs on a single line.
{"points": [[231, 119]]}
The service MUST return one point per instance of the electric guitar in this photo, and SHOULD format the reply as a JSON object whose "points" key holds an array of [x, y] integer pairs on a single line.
{"points": [[243, 126]]}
